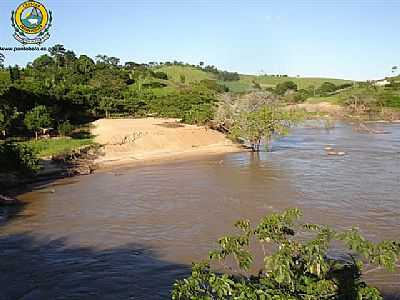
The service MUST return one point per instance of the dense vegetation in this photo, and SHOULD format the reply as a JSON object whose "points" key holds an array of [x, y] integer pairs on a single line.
{"points": [[297, 263], [18, 158], [60, 91]]}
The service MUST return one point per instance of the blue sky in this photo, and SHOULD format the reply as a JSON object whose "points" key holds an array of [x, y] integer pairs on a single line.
{"points": [[342, 38]]}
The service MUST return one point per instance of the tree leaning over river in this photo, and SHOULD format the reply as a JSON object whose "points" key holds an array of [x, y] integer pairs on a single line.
{"points": [[261, 125]]}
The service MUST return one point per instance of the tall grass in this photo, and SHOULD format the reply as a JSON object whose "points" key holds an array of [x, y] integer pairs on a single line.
{"points": [[59, 146]]}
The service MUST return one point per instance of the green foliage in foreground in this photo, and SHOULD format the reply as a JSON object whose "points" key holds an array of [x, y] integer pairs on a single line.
{"points": [[18, 158], [262, 124], [298, 268], [52, 147]]}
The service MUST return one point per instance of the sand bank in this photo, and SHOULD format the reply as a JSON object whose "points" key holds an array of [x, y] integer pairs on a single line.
{"points": [[140, 140]]}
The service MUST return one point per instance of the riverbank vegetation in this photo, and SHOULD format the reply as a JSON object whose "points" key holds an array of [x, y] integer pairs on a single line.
{"points": [[296, 263], [61, 91]]}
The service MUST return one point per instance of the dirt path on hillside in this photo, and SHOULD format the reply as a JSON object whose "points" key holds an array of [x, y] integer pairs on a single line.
{"points": [[149, 139]]}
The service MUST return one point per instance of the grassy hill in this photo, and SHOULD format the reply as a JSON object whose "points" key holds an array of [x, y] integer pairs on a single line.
{"points": [[4, 75], [246, 81], [191, 74], [302, 82]]}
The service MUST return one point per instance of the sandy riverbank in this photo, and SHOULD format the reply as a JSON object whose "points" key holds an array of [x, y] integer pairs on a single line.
{"points": [[127, 141]]}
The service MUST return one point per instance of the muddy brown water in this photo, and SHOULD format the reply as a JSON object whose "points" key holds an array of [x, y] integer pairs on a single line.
{"points": [[130, 232]]}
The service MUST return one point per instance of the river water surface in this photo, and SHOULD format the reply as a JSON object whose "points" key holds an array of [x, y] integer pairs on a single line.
{"points": [[129, 233]]}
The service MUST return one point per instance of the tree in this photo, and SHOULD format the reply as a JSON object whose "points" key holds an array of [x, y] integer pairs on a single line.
{"points": [[106, 104], [58, 52], [43, 61], [37, 119], [104, 60], [2, 59], [262, 124], [296, 266], [85, 64], [327, 88], [65, 128], [394, 69], [114, 61], [18, 158], [283, 87], [69, 58], [7, 115], [15, 73]]}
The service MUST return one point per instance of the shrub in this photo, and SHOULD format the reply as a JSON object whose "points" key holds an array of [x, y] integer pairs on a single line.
{"points": [[160, 75], [281, 88], [301, 96], [213, 85], [228, 76], [327, 88], [18, 158], [198, 114], [65, 128], [299, 267]]}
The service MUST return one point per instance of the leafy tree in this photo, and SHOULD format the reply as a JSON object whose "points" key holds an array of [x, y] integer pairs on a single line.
{"points": [[37, 119], [7, 115], [327, 88], [262, 124], [114, 61], [85, 65], [301, 95], [199, 114], [107, 61], [15, 73], [69, 58], [43, 61], [228, 76], [18, 158], [283, 87], [394, 69], [297, 264], [65, 128], [106, 104]]}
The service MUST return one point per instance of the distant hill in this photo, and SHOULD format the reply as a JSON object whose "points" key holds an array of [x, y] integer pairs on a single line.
{"points": [[191, 74], [245, 83]]}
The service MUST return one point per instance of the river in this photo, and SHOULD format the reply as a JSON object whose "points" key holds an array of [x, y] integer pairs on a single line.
{"points": [[128, 233]]}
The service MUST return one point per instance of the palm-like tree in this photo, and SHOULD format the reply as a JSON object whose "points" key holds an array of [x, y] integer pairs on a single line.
{"points": [[394, 69], [58, 52], [2, 58]]}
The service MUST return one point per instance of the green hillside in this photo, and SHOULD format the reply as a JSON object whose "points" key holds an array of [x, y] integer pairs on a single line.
{"points": [[191, 74], [302, 82]]}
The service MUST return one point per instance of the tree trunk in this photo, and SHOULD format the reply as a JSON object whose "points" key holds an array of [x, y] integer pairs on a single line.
{"points": [[36, 135]]}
